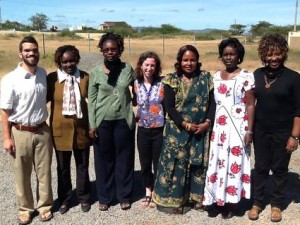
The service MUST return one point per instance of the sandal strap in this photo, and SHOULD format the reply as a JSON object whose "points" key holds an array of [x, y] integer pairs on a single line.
{"points": [[147, 199]]}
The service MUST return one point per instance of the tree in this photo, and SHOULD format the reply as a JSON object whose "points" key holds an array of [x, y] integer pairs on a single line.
{"points": [[14, 25], [169, 29], [39, 21], [53, 28], [237, 29], [261, 28]]}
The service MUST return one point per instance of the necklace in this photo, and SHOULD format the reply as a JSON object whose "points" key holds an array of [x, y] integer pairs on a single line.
{"points": [[268, 84]]}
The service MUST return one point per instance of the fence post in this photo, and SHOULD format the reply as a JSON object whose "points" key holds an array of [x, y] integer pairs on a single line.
{"points": [[44, 51], [89, 43], [163, 44], [194, 39], [129, 47]]}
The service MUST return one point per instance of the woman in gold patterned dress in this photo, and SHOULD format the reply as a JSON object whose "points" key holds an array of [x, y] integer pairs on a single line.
{"points": [[190, 109]]}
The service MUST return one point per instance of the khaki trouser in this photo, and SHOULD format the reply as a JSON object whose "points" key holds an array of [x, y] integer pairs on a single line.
{"points": [[33, 150]]}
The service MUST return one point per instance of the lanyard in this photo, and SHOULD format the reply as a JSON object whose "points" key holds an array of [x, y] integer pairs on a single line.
{"points": [[148, 93]]}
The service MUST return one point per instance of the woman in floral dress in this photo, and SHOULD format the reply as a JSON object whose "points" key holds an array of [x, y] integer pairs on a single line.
{"points": [[190, 108], [228, 175]]}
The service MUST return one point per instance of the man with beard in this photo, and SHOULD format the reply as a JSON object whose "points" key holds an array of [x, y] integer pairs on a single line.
{"points": [[26, 136]]}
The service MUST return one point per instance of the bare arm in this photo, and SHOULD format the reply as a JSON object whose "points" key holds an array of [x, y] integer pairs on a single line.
{"points": [[250, 108], [8, 143]]}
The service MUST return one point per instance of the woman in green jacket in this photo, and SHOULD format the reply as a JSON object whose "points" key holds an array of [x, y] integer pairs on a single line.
{"points": [[112, 124]]}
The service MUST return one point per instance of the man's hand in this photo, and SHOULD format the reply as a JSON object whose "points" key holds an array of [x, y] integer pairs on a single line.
{"points": [[9, 146]]}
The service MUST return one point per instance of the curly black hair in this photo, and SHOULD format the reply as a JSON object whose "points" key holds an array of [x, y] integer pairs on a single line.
{"points": [[180, 54], [65, 48], [235, 43], [138, 70], [272, 42], [112, 36]]}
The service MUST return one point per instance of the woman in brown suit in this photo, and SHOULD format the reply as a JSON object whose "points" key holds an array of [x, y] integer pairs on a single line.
{"points": [[67, 92]]}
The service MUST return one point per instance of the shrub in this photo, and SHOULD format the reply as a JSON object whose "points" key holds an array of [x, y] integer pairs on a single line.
{"points": [[66, 33]]}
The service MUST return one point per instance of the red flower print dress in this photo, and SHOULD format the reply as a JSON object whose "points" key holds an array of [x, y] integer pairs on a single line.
{"points": [[228, 175]]}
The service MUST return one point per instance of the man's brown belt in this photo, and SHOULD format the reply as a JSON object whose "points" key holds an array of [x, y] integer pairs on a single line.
{"points": [[32, 129]]}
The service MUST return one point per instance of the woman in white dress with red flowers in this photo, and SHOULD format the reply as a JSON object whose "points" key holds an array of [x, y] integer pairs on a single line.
{"points": [[229, 171]]}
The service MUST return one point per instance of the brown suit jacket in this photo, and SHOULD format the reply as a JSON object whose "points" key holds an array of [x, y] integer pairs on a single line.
{"points": [[68, 132]]}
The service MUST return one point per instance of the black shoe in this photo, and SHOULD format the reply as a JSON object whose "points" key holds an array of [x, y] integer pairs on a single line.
{"points": [[85, 207], [63, 209]]}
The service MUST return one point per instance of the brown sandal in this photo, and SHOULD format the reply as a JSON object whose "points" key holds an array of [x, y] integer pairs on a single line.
{"points": [[276, 214], [24, 219], [146, 201], [254, 212], [45, 216]]}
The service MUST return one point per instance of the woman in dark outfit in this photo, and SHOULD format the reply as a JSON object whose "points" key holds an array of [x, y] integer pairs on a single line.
{"points": [[112, 123], [277, 123], [67, 93]]}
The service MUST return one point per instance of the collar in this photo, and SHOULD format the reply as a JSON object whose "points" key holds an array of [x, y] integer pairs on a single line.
{"points": [[62, 75], [272, 74], [25, 73]]}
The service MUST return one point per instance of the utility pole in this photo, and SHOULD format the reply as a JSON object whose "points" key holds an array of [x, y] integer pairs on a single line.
{"points": [[296, 12], [0, 18]]}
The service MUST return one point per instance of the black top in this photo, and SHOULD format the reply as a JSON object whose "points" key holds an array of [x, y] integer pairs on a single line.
{"points": [[277, 105], [169, 102]]}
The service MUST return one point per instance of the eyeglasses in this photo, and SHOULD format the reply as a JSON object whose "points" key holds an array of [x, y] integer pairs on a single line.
{"points": [[106, 50]]}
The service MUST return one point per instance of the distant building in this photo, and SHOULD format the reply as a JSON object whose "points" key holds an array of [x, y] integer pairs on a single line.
{"points": [[294, 38], [108, 25], [80, 27], [75, 28]]}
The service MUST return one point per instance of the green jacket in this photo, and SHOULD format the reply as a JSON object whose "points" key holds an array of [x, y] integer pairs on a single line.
{"points": [[110, 100]]}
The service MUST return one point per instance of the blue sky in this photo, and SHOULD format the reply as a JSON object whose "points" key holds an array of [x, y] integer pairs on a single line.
{"points": [[184, 14]]}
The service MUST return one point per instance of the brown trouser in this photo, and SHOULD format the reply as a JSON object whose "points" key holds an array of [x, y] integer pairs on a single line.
{"points": [[33, 150]]}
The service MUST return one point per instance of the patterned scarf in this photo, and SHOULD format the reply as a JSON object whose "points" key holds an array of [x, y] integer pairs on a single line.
{"points": [[71, 94]]}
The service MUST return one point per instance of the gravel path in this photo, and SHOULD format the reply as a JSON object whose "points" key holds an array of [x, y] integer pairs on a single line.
{"points": [[137, 215]]}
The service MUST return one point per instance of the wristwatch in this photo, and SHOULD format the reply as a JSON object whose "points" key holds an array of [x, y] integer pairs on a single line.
{"points": [[297, 138]]}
